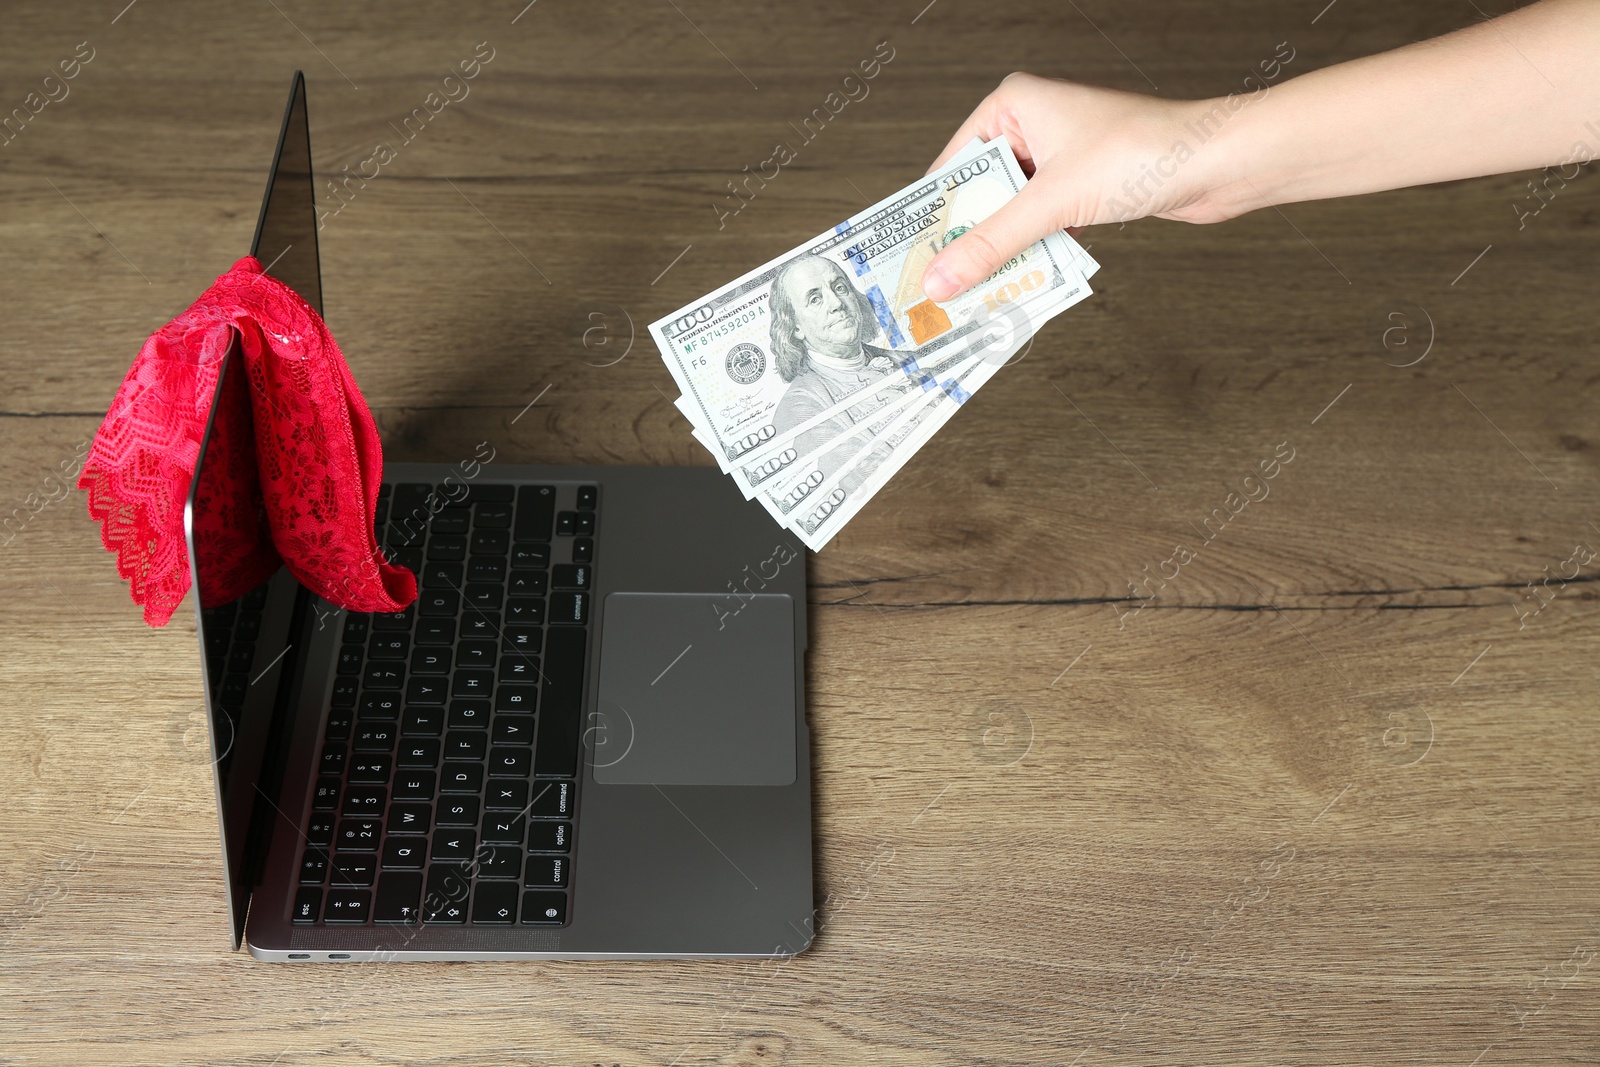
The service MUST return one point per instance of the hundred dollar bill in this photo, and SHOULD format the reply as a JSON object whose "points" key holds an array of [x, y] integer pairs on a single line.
{"points": [[815, 332], [847, 453], [831, 501], [837, 500]]}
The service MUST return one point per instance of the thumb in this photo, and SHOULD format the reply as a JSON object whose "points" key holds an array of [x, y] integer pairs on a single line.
{"points": [[981, 251]]}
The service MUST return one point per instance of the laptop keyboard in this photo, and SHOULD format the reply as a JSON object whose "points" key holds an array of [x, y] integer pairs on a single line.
{"points": [[448, 778]]}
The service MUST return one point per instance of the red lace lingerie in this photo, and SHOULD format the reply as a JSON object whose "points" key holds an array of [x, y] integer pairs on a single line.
{"points": [[292, 468]]}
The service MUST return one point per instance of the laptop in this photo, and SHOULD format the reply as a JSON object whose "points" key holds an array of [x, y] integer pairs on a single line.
{"points": [[586, 739]]}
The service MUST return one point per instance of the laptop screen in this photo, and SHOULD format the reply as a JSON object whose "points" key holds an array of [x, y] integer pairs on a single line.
{"points": [[286, 235], [246, 645]]}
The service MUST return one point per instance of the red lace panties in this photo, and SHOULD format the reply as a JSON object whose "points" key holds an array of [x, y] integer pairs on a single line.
{"points": [[292, 468]]}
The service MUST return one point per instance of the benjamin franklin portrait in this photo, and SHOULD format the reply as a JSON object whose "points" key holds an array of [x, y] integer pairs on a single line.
{"points": [[820, 328]]}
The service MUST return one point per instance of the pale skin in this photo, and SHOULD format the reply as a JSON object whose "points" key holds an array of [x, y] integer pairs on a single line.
{"points": [[1512, 93]]}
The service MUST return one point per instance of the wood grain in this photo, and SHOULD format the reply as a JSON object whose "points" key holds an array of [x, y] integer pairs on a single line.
{"points": [[1325, 798]]}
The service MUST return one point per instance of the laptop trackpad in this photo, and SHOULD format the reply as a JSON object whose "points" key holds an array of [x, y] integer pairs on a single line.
{"points": [[695, 689]]}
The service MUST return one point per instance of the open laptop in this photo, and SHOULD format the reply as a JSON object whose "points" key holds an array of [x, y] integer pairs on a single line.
{"points": [[585, 739]]}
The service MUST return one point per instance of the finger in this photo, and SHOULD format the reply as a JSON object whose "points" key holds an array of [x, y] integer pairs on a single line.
{"points": [[982, 250]]}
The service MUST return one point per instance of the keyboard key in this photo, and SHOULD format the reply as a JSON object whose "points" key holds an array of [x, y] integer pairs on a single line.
{"points": [[410, 818], [332, 759], [373, 737], [370, 770], [383, 675], [546, 871], [525, 639], [320, 832], [507, 829], [462, 778], [495, 902], [365, 800], [512, 730], [348, 906], [451, 521], [422, 722], [528, 583], [500, 861], [350, 659], [466, 744], [425, 690], [409, 495], [552, 800], [524, 611], [487, 569], [436, 632], [566, 523], [517, 698], [393, 620], [399, 897], [569, 608], [549, 837], [339, 722], [380, 706], [234, 686], [430, 659], [447, 547], [405, 853], [359, 834], [314, 866], [436, 603], [544, 906], [414, 785], [510, 761], [355, 627], [571, 576], [519, 668], [389, 644], [449, 844], [532, 557], [586, 524], [469, 714], [307, 905], [326, 798], [419, 753], [356, 869], [583, 550], [409, 558], [588, 497], [407, 531], [472, 683], [484, 595], [535, 506], [491, 516], [449, 887], [344, 691], [506, 795], [475, 653], [458, 810], [480, 624], [564, 664], [490, 542]]}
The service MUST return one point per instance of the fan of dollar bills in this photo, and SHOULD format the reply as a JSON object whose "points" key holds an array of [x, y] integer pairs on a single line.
{"points": [[815, 377]]}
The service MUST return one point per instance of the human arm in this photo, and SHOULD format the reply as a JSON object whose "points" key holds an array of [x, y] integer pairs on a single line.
{"points": [[1516, 92]]}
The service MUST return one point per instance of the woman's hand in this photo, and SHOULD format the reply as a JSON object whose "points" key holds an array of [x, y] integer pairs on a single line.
{"points": [[1093, 156]]}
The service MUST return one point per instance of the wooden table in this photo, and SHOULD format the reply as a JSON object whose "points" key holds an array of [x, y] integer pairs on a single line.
{"points": [[1326, 796]]}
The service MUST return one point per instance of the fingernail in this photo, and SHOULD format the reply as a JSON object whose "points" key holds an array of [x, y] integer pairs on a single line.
{"points": [[937, 284]]}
